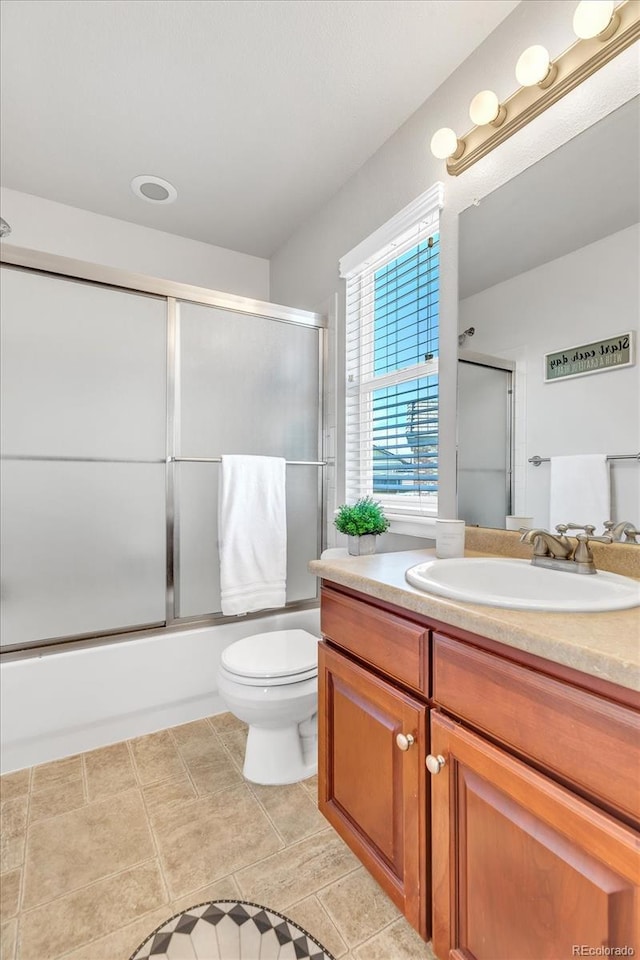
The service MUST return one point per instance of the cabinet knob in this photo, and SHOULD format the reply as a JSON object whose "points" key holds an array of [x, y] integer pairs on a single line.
{"points": [[404, 741], [435, 764]]}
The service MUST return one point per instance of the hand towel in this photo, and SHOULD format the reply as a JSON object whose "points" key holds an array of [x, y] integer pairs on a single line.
{"points": [[252, 525], [579, 490]]}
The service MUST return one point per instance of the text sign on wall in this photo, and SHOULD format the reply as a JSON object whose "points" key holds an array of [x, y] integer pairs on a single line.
{"points": [[609, 354]]}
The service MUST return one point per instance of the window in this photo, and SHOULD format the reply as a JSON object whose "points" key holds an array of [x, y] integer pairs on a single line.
{"points": [[392, 364]]}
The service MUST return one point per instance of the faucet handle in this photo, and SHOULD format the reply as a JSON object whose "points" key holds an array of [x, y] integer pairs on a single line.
{"points": [[588, 528]]}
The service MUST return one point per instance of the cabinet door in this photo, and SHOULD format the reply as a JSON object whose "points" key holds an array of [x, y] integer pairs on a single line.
{"points": [[372, 791], [522, 867]]}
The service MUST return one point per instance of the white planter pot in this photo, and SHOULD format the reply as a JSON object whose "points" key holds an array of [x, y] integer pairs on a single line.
{"points": [[362, 546]]}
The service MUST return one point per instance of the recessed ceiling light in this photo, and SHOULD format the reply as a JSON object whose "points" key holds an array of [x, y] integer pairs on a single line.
{"points": [[153, 189]]}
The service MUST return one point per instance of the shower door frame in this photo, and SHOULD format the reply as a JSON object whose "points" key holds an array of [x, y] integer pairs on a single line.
{"points": [[173, 292], [508, 367]]}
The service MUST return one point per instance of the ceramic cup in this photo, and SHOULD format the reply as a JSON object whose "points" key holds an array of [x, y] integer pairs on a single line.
{"points": [[515, 523], [449, 538]]}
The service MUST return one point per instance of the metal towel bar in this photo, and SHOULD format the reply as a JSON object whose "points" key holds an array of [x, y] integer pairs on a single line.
{"points": [[297, 463], [536, 461]]}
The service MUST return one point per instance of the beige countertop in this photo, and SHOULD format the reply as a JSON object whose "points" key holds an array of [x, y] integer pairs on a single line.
{"points": [[605, 645]]}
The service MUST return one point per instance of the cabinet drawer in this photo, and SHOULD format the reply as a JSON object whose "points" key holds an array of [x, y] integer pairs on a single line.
{"points": [[395, 646], [591, 742]]}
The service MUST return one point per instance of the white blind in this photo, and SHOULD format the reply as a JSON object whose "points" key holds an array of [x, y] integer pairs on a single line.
{"points": [[392, 373]]}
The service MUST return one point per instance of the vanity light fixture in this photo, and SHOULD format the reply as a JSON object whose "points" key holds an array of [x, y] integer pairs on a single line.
{"points": [[486, 108], [534, 67], [595, 18], [445, 144], [603, 31]]}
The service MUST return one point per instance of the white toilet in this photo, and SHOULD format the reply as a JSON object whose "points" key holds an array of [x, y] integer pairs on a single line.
{"points": [[270, 680]]}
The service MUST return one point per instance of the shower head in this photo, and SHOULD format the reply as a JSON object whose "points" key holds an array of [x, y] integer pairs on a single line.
{"points": [[5, 229]]}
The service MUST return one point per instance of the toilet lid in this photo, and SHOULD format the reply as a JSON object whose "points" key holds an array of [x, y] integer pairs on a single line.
{"points": [[281, 653]]}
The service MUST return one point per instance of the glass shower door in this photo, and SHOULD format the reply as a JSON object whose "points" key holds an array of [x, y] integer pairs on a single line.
{"points": [[484, 443], [246, 385], [83, 458]]}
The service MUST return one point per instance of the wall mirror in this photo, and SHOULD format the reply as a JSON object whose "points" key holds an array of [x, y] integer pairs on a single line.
{"points": [[549, 262]]}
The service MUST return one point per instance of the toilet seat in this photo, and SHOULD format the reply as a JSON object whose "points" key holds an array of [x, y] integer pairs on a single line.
{"points": [[272, 659]]}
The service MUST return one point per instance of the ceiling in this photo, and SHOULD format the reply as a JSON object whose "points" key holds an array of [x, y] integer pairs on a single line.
{"points": [[257, 111], [586, 190]]}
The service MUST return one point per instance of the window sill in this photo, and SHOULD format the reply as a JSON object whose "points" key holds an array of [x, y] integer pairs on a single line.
{"points": [[413, 526]]}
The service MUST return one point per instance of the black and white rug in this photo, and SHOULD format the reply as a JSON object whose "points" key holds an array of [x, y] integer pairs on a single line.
{"points": [[230, 930]]}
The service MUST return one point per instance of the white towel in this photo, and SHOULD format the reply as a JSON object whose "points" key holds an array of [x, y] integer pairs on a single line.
{"points": [[252, 526], [579, 490]]}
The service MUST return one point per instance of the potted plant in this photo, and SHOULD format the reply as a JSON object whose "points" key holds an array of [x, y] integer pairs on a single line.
{"points": [[362, 522]]}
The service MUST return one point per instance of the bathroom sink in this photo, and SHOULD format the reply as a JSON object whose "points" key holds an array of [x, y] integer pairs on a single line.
{"points": [[519, 585]]}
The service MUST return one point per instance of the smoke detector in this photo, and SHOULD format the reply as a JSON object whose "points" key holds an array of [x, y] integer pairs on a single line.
{"points": [[153, 189]]}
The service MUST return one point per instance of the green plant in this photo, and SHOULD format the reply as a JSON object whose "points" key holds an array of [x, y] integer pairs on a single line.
{"points": [[365, 516]]}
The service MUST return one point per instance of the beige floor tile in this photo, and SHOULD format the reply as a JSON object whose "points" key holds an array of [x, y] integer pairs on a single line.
{"points": [[168, 793], [194, 739], [67, 852], [224, 723], [156, 757], [225, 889], [67, 923], [14, 784], [214, 770], [293, 812], [122, 944], [358, 906], [11, 852], [398, 941], [235, 742], [218, 835], [8, 940], [49, 775], [13, 816], [59, 799], [9, 894], [298, 871], [313, 918], [311, 786], [108, 771]]}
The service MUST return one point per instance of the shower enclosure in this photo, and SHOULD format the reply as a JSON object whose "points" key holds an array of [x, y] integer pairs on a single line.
{"points": [[118, 399]]}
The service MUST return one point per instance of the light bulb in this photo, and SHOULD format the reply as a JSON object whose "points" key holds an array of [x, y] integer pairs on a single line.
{"points": [[594, 17], [535, 67], [445, 144], [485, 108]]}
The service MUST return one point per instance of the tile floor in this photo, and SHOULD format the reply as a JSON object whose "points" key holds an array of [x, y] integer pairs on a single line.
{"points": [[99, 849]]}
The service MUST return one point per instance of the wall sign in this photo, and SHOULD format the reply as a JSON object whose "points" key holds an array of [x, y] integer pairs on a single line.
{"points": [[609, 354]]}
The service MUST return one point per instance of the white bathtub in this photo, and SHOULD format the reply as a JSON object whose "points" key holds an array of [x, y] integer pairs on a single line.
{"points": [[67, 702]]}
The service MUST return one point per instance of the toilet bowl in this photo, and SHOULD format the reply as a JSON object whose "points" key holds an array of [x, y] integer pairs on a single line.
{"points": [[270, 681]]}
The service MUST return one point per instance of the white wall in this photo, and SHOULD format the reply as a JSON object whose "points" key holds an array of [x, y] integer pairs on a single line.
{"points": [[585, 296], [51, 227], [305, 270], [56, 704]]}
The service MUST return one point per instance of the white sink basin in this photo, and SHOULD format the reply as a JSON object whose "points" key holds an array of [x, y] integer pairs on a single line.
{"points": [[519, 585]]}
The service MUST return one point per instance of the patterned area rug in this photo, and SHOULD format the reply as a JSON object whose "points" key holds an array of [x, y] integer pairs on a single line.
{"points": [[230, 930]]}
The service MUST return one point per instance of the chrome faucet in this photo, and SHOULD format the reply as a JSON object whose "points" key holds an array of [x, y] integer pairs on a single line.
{"points": [[547, 545], [617, 530], [558, 553]]}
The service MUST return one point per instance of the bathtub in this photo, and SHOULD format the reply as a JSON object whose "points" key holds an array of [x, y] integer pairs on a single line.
{"points": [[65, 702]]}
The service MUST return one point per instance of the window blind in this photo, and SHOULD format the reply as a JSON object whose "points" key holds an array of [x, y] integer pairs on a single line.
{"points": [[392, 373]]}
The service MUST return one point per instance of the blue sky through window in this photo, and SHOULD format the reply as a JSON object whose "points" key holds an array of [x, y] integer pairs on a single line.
{"points": [[405, 416]]}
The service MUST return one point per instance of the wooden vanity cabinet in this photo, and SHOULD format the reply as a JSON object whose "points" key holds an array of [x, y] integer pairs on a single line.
{"points": [[522, 842], [372, 741], [533, 847]]}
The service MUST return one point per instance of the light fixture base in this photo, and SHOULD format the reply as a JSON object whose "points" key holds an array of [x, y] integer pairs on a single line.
{"points": [[501, 116], [552, 73], [609, 30]]}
